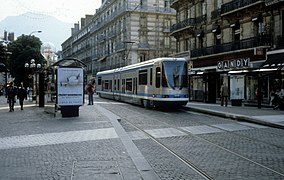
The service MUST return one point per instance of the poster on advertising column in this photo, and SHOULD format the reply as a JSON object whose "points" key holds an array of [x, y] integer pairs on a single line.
{"points": [[70, 86], [237, 86]]}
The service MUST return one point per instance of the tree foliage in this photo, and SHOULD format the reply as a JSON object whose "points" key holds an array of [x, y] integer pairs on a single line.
{"points": [[22, 50]]}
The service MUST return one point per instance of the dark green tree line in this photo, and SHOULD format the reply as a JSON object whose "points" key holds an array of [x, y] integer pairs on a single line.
{"points": [[21, 51]]}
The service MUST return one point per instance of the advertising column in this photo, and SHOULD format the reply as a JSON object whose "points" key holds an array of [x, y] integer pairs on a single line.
{"points": [[70, 90]]}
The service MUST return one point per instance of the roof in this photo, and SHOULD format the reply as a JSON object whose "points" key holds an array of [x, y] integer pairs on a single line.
{"points": [[70, 62]]}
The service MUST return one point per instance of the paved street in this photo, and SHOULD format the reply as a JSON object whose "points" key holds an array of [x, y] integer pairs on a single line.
{"points": [[104, 142]]}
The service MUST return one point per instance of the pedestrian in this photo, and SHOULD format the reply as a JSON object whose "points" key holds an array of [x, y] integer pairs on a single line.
{"points": [[22, 94], [224, 92], [11, 94], [90, 91]]}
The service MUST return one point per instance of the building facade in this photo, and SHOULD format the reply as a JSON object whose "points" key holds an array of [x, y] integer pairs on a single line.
{"points": [[122, 32], [237, 42]]}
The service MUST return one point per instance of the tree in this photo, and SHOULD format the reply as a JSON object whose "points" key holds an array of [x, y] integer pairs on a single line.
{"points": [[22, 50], [2, 54]]}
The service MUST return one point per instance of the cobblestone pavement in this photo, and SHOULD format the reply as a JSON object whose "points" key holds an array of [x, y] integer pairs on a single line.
{"points": [[96, 145], [37, 145]]}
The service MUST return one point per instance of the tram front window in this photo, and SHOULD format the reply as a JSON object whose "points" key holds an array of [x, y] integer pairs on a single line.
{"points": [[175, 74]]}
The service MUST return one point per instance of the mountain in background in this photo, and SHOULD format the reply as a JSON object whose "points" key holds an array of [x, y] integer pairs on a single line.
{"points": [[53, 30]]}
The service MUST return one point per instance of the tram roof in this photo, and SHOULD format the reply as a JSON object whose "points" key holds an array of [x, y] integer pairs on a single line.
{"points": [[141, 64]]}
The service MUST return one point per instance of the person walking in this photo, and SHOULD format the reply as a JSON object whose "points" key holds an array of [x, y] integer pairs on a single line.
{"points": [[224, 92], [90, 91], [22, 94], [11, 94]]}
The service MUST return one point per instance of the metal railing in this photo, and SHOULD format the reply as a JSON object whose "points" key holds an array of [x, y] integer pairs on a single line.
{"points": [[187, 23], [236, 4], [263, 40]]}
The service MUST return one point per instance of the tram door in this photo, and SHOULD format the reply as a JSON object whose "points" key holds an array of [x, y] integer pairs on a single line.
{"points": [[157, 79]]}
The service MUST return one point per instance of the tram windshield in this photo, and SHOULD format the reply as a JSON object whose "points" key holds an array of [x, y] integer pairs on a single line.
{"points": [[174, 74]]}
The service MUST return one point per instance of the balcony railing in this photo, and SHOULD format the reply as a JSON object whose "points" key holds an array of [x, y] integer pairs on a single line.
{"points": [[187, 23], [191, 22], [236, 4], [270, 2], [263, 40]]}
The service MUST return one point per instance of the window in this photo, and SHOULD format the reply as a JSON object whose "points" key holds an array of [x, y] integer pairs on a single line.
{"points": [[106, 84], [158, 77], [123, 86], [129, 84], [99, 80], [151, 76], [143, 77], [114, 85], [167, 42]]}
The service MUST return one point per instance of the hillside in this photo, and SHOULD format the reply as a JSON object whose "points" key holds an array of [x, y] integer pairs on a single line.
{"points": [[53, 30]]}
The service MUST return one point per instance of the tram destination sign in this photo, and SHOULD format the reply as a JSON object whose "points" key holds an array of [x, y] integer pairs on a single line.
{"points": [[233, 63]]}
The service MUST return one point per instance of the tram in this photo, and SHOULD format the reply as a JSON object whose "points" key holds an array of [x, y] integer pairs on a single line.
{"points": [[161, 82]]}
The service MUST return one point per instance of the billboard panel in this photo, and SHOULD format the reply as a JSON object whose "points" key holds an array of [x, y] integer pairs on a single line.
{"points": [[70, 86]]}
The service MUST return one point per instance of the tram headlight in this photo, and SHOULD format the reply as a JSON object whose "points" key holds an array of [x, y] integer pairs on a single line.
{"points": [[165, 96]]}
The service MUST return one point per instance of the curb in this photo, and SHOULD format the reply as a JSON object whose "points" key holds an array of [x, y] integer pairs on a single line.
{"points": [[235, 117]]}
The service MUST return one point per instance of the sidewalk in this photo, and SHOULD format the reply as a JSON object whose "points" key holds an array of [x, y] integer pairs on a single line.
{"points": [[264, 116], [91, 145]]}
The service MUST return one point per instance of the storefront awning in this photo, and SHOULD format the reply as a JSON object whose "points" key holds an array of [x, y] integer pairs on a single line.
{"points": [[274, 60]]}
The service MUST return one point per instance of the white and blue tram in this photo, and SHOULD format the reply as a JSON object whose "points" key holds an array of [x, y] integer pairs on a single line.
{"points": [[154, 83]]}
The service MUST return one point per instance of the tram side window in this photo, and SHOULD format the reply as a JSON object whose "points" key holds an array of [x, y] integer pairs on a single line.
{"points": [[99, 80], [118, 85], [114, 86], [143, 77], [123, 86], [151, 76], [110, 85], [158, 77], [106, 85], [129, 84]]}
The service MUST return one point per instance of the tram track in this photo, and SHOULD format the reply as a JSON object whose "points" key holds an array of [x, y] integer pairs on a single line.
{"points": [[187, 161], [191, 164]]}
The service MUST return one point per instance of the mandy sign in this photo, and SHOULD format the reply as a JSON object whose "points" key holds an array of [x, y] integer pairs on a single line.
{"points": [[70, 86], [233, 64]]}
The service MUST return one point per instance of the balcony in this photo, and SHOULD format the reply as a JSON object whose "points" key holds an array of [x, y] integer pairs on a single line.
{"points": [[263, 40], [238, 5], [191, 22], [271, 2]]}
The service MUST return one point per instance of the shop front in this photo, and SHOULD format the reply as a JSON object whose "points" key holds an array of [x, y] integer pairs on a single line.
{"points": [[240, 71]]}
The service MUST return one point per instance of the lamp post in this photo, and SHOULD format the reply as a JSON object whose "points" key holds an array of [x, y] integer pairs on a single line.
{"points": [[34, 67], [35, 32]]}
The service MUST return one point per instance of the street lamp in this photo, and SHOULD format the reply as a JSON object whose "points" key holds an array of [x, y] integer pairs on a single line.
{"points": [[33, 66], [35, 32]]}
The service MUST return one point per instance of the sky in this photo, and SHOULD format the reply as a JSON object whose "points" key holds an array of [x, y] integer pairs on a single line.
{"points": [[70, 11]]}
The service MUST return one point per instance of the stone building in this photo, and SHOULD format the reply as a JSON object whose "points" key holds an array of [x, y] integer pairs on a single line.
{"points": [[237, 42], [122, 32]]}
